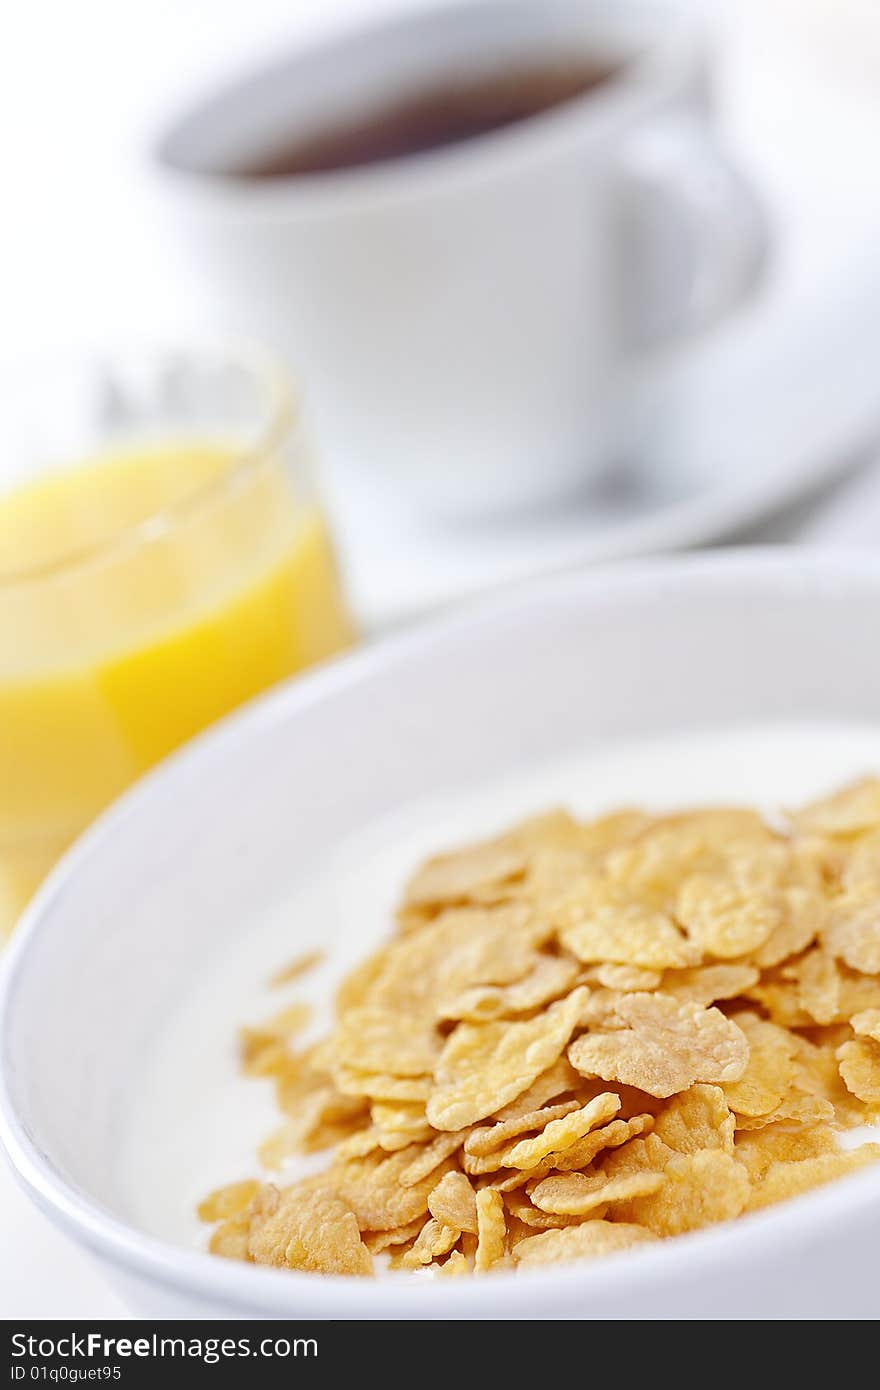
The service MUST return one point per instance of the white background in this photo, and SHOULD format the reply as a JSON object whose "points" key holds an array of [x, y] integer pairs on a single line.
{"points": [[87, 256], [83, 258], [84, 83]]}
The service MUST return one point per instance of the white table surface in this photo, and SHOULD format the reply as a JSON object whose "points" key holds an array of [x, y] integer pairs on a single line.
{"points": [[81, 85]]}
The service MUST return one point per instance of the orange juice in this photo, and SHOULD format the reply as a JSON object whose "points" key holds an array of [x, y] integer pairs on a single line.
{"points": [[142, 596]]}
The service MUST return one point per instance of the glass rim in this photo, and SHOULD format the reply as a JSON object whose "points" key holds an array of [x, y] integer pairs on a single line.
{"points": [[282, 415]]}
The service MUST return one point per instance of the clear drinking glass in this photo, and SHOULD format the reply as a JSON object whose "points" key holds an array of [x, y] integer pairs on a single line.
{"points": [[163, 557]]}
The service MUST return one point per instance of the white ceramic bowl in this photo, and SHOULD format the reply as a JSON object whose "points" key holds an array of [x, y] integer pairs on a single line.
{"points": [[172, 873]]}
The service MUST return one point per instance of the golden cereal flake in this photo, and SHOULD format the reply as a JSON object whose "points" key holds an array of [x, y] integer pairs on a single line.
{"points": [[322, 1117], [616, 828], [380, 1086], [440, 1147], [860, 870], [478, 1165], [610, 1136], [867, 1024], [853, 931], [578, 1155], [583, 1241], [549, 977], [803, 917], [601, 1007], [288, 1021], [384, 1040], [857, 992], [780, 995], [599, 923], [487, 1138], [377, 1241], [486, 1065], [555, 1081], [433, 1241], [461, 949], [722, 919], [770, 1070], [850, 811], [397, 1257], [402, 1117], [559, 1135], [356, 987], [818, 981], [306, 1229], [817, 1078], [490, 1230], [647, 1154], [298, 1079], [579, 1194], [627, 977], [230, 1239], [758, 1149], [468, 1246], [521, 1209], [786, 1179], [297, 967], [632, 1100], [455, 877], [698, 1190], [228, 1201], [453, 1202], [698, 1118], [796, 1109], [367, 1141], [456, 1265], [372, 1188], [658, 861], [705, 984], [662, 1046], [264, 1051], [860, 1068], [781, 1001]]}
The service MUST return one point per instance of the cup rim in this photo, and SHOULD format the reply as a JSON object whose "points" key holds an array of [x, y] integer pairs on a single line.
{"points": [[282, 414], [147, 1258], [677, 49]]}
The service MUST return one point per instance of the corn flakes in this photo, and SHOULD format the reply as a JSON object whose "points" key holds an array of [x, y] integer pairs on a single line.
{"points": [[310, 1230], [582, 1038], [662, 1046], [485, 1066], [490, 1230], [578, 1194], [587, 1239], [453, 1202]]}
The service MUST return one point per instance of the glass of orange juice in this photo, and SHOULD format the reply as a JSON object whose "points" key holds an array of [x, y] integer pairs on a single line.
{"points": [[163, 557]]}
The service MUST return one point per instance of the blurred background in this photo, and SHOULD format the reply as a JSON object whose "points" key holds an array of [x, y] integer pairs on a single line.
{"points": [[89, 255], [764, 428]]}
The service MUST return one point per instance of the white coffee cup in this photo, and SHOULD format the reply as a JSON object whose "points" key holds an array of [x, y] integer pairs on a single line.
{"points": [[469, 323]]}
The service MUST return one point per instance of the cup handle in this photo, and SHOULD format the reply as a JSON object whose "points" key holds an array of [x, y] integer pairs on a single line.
{"points": [[694, 233]]}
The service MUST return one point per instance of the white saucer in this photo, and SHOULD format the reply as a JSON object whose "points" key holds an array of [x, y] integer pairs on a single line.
{"points": [[761, 414], [768, 420]]}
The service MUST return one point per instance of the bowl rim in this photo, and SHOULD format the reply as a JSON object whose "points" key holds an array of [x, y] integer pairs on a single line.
{"points": [[263, 1291], [679, 49]]}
